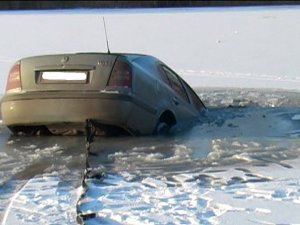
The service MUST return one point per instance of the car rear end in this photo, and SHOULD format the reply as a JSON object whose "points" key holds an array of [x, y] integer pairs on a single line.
{"points": [[59, 92]]}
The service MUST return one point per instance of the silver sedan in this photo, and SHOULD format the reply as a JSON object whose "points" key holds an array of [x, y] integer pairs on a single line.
{"points": [[123, 93]]}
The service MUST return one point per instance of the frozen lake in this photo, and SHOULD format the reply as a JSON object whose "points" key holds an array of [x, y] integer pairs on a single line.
{"points": [[239, 166]]}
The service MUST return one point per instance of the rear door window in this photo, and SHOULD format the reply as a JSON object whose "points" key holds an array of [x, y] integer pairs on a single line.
{"points": [[194, 97], [174, 82]]}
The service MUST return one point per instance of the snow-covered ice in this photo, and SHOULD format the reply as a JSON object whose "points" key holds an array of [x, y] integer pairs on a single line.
{"points": [[39, 178], [224, 195], [239, 166], [42, 200], [223, 47]]}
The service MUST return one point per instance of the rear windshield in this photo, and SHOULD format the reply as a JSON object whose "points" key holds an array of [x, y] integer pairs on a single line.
{"points": [[148, 64]]}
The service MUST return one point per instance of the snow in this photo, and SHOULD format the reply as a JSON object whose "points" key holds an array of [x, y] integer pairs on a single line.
{"points": [[42, 200], [235, 198], [223, 47], [237, 167], [271, 202]]}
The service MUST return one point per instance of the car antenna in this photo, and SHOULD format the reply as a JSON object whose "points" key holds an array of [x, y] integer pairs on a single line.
{"points": [[106, 36]]}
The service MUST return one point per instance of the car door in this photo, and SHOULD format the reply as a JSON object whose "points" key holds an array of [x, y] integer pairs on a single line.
{"points": [[178, 96]]}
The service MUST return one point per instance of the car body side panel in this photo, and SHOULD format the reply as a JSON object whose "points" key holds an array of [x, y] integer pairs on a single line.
{"points": [[184, 111], [148, 87], [161, 94]]}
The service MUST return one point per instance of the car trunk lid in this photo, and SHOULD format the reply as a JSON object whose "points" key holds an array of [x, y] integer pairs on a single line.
{"points": [[68, 72]]}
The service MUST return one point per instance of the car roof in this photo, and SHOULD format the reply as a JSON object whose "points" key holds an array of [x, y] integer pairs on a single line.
{"points": [[134, 55], [129, 56]]}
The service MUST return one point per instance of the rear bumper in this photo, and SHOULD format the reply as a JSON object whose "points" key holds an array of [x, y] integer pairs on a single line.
{"points": [[69, 109]]}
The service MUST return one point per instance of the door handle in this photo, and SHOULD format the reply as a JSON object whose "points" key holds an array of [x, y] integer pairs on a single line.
{"points": [[175, 101]]}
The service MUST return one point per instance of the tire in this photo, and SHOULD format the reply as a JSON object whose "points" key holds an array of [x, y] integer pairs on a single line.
{"points": [[162, 128]]}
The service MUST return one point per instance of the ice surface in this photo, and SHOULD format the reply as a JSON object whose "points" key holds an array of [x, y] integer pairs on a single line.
{"points": [[240, 196], [42, 200], [26, 158], [239, 166]]}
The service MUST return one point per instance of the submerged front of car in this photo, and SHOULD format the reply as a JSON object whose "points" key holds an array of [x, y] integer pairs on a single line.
{"points": [[57, 93]]}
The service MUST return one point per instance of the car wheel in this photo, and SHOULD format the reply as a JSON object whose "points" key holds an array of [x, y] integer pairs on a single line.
{"points": [[162, 128]]}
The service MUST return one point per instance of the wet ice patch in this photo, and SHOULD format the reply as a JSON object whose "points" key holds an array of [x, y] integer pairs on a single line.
{"points": [[30, 146], [247, 97], [296, 117], [145, 160]]}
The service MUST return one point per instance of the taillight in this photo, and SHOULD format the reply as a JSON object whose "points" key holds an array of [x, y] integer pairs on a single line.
{"points": [[121, 75], [14, 78]]}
